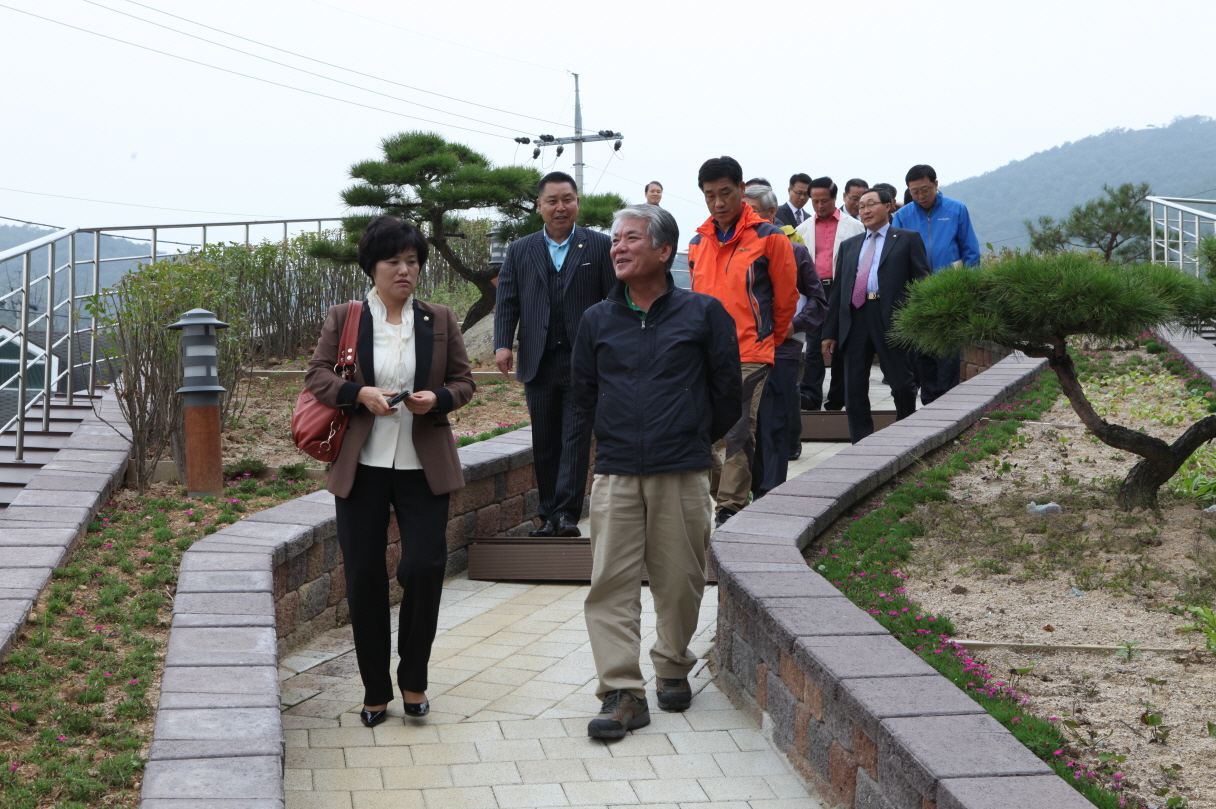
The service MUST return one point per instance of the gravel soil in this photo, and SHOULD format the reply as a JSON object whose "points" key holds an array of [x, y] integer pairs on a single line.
{"points": [[264, 428], [1091, 575]]}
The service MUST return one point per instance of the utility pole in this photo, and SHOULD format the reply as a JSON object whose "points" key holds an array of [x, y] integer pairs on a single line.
{"points": [[578, 140]]}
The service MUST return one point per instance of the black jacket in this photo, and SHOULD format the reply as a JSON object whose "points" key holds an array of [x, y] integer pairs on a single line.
{"points": [[523, 292], [662, 391]]}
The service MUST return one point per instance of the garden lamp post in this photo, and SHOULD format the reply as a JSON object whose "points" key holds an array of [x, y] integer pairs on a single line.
{"points": [[204, 463]]}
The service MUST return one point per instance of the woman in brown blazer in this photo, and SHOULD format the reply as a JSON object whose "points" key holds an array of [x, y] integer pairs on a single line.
{"points": [[404, 456]]}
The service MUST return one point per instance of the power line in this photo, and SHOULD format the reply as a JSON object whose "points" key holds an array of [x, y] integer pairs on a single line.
{"points": [[28, 222], [339, 67], [125, 204], [291, 67], [247, 76], [438, 39], [666, 193]]}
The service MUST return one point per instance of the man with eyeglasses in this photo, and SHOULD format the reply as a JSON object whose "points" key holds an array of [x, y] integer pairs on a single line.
{"points": [[873, 271], [793, 213], [944, 225]]}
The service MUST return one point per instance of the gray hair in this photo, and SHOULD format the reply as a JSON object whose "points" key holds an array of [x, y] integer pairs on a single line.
{"points": [[764, 193], [661, 226]]}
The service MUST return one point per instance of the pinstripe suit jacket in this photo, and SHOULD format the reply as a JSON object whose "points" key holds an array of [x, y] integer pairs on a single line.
{"points": [[523, 292]]}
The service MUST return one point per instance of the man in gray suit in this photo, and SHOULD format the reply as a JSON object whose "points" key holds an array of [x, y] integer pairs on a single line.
{"points": [[548, 279]]}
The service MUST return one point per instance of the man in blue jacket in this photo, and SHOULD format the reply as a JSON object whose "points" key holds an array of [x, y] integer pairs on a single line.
{"points": [[945, 228], [657, 368]]}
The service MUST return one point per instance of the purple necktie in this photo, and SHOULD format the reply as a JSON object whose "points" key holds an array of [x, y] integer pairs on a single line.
{"points": [[863, 271]]}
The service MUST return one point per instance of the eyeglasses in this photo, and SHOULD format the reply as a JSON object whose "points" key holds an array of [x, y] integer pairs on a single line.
{"points": [[867, 205]]}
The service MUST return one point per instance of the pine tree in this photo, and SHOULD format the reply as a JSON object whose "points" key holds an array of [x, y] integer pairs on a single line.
{"points": [[1117, 226], [427, 180]]}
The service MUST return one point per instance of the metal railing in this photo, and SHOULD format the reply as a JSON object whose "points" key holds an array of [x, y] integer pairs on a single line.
{"points": [[1178, 225], [51, 308]]}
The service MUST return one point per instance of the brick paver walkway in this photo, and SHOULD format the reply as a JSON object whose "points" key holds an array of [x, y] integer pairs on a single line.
{"points": [[512, 690]]}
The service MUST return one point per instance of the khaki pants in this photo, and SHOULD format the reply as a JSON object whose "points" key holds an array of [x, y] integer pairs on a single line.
{"points": [[664, 521], [731, 477]]}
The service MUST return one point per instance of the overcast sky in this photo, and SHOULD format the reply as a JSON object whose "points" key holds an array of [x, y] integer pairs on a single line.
{"points": [[847, 89]]}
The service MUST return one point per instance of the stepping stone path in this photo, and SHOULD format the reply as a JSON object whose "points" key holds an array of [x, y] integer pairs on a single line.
{"points": [[512, 689]]}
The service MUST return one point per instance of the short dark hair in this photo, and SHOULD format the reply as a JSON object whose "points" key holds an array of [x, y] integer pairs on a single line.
{"points": [[919, 172], [758, 181], [720, 168], [884, 196], [652, 182], [890, 189], [385, 237], [800, 178], [907, 196], [556, 177], [856, 182], [825, 182]]}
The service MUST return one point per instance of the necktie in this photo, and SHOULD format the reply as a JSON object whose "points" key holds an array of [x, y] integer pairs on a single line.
{"points": [[863, 271], [799, 215]]}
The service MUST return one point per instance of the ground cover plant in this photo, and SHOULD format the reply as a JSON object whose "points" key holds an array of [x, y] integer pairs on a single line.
{"points": [[1035, 303], [78, 689], [870, 559]]}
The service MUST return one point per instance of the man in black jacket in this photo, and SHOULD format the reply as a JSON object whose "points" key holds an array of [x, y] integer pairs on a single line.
{"points": [[873, 271], [547, 281], [659, 368]]}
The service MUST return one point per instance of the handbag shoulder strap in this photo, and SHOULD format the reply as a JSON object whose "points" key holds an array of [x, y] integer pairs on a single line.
{"points": [[350, 336]]}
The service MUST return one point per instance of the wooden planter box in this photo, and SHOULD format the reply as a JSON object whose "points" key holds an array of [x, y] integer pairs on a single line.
{"points": [[833, 425], [529, 559]]}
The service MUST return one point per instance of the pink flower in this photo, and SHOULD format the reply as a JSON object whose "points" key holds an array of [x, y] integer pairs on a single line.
{"points": [[1057, 752], [62, 738]]}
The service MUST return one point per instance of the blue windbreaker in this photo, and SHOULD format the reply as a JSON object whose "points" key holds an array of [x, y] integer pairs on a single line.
{"points": [[946, 231]]}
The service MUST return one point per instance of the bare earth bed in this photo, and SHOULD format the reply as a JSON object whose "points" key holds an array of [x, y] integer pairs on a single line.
{"points": [[263, 431], [1090, 575]]}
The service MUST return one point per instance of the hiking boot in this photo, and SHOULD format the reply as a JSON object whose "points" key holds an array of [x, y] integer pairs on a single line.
{"points": [[620, 713], [674, 695]]}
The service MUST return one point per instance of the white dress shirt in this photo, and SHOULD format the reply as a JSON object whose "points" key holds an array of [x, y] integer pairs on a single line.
{"points": [[880, 237], [391, 442], [798, 213]]}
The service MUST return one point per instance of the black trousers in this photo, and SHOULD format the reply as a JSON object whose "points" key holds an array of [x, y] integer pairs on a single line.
{"points": [[363, 536], [561, 439], [865, 339], [813, 373], [771, 461], [937, 374], [795, 415]]}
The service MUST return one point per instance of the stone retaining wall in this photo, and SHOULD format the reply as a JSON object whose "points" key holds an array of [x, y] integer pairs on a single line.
{"points": [[253, 589], [43, 523], [500, 498], [979, 357], [857, 712]]}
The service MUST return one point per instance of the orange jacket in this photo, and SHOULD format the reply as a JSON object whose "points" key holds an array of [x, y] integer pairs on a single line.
{"points": [[754, 276]]}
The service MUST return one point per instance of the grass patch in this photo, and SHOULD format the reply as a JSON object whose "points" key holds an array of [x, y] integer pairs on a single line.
{"points": [[75, 689], [501, 429]]}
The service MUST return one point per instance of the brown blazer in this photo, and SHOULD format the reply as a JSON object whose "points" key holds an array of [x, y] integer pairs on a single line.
{"points": [[442, 367]]}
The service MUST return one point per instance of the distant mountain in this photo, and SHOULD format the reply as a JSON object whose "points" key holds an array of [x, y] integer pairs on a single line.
{"points": [[112, 247], [1178, 160]]}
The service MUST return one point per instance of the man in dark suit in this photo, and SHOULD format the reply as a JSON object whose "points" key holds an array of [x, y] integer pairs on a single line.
{"points": [[873, 271], [548, 279], [792, 213]]}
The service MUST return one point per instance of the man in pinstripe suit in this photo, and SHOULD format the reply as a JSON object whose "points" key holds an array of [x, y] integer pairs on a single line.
{"points": [[548, 279]]}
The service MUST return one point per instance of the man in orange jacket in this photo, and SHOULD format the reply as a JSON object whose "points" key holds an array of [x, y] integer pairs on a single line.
{"points": [[748, 265]]}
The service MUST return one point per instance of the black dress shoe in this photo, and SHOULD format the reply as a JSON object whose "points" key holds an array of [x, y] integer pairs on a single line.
{"points": [[795, 454], [372, 718], [417, 708], [566, 528], [549, 529]]}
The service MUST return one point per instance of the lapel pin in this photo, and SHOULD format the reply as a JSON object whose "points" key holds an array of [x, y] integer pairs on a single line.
{"points": [[580, 247], [426, 317]]}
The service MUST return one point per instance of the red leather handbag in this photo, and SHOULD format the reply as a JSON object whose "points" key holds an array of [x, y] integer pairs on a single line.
{"points": [[318, 430]]}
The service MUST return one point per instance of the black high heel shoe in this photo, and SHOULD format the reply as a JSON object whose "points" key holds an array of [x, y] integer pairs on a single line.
{"points": [[417, 708], [372, 718]]}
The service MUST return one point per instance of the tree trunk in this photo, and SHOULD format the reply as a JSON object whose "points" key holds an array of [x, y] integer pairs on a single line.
{"points": [[1139, 488], [1161, 460], [482, 307], [482, 279]]}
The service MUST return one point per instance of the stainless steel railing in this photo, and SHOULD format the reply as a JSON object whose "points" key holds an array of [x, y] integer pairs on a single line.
{"points": [[62, 322], [1178, 225]]}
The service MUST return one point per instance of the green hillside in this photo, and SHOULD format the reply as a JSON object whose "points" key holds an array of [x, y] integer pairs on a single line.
{"points": [[1178, 160]]}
